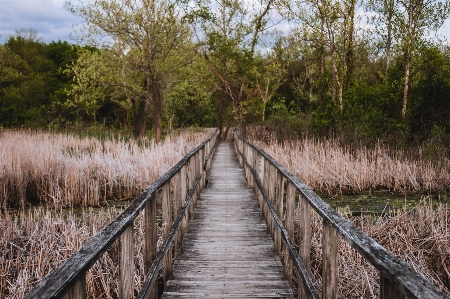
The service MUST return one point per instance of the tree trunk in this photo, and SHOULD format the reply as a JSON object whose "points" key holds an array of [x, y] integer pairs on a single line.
{"points": [[390, 6], [140, 119], [157, 110], [408, 60], [349, 54]]}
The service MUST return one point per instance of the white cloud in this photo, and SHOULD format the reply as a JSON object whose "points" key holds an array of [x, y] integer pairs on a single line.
{"points": [[48, 18]]}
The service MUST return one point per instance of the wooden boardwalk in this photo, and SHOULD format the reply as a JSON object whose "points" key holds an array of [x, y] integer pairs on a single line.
{"points": [[227, 252]]}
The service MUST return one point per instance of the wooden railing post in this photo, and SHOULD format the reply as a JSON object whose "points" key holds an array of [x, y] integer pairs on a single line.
{"points": [[166, 224], [78, 291], [183, 195], [289, 224], [279, 210], [126, 264], [388, 289], [151, 240], [177, 204], [260, 172], [271, 193], [265, 208], [330, 262], [304, 250]]}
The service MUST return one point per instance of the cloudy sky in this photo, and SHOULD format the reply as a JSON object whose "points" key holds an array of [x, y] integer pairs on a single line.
{"points": [[53, 22]]}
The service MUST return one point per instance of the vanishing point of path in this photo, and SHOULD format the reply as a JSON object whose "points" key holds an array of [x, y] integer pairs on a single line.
{"points": [[227, 252]]}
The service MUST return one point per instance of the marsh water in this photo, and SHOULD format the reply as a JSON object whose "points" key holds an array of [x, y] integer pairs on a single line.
{"points": [[380, 202]]}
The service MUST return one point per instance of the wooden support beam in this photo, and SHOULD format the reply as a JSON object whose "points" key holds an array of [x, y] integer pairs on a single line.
{"points": [[126, 264], [183, 189], [330, 262], [177, 204], [389, 290], [279, 208], [151, 240], [166, 224], [304, 250], [289, 224], [78, 291]]}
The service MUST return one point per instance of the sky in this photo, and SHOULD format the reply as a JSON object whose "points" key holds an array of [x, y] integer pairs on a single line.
{"points": [[53, 22]]}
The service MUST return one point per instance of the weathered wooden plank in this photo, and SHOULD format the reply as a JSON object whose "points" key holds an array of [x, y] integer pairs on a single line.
{"points": [[227, 252], [389, 290], [304, 250], [151, 239], [126, 264], [289, 223], [78, 291], [330, 271], [167, 219]]}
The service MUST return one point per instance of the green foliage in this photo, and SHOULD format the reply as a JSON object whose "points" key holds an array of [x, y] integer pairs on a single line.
{"points": [[187, 104]]}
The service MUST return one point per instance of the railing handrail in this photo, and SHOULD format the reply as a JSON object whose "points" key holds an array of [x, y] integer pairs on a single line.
{"points": [[397, 271], [62, 279]]}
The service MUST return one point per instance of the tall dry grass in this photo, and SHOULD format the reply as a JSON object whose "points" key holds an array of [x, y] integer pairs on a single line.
{"points": [[36, 242], [330, 168], [420, 237], [66, 170]]}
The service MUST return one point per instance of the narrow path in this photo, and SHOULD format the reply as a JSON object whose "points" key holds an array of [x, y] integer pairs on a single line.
{"points": [[227, 252]]}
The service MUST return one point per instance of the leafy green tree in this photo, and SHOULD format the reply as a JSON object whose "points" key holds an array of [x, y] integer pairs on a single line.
{"points": [[143, 42], [228, 32]]}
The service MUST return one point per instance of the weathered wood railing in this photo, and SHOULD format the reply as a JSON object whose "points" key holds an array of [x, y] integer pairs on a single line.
{"points": [[186, 178], [273, 185]]}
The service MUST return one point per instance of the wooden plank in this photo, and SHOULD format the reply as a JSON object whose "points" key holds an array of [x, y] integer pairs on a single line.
{"points": [[389, 290], [279, 208], [289, 224], [150, 240], [167, 219], [304, 250], [184, 190], [330, 270], [78, 291], [177, 204], [126, 264], [227, 252]]}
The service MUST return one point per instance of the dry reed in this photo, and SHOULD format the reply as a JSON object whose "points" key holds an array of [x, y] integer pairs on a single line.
{"points": [[66, 170], [329, 168], [36, 242], [420, 237]]}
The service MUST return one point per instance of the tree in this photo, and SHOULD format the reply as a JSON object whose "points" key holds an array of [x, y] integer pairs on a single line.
{"points": [[418, 18], [328, 27], [139, 36], [228, 33]]}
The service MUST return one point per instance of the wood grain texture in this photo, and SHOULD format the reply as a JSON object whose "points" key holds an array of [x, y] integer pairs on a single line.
{"points": [[78, 291], [227, 252], [330, 262], [126, 264]]}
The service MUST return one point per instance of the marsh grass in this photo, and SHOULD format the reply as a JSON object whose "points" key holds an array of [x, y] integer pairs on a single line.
{"points": [[71, 175], [65, 170], [419, 236], [330, 168], [38, 241]]}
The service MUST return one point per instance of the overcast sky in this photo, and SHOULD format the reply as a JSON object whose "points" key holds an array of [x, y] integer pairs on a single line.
{"points": [[53, 22]]}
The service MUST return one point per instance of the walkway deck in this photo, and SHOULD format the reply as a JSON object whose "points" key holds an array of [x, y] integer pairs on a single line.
{"points": [[227, 252]]}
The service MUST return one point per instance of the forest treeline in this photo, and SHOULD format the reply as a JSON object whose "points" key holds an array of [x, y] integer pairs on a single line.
{"points": [[160, 65]]}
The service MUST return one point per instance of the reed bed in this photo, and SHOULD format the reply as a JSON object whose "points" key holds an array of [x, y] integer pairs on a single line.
{"points": [[419, 236], [330, 168], [35, 242], [66, 170]]}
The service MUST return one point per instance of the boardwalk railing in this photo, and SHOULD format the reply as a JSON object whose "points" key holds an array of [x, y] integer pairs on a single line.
{"points": [[187, 177], [273, 185]]}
